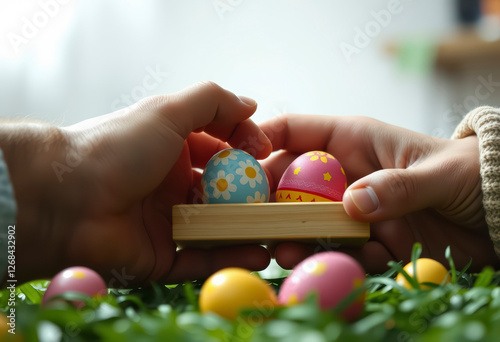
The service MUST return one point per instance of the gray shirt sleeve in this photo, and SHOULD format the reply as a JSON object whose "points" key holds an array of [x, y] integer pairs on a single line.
{"points": [[7, 214]]}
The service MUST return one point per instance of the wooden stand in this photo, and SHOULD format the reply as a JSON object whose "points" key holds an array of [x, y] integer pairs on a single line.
{"points": [[208, 225]]}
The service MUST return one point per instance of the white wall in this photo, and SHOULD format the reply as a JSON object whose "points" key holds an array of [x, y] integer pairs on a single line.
{"points": [[284, 53]]}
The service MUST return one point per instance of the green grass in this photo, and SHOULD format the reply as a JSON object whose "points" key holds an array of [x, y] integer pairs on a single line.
{"points": [[467, 309]]}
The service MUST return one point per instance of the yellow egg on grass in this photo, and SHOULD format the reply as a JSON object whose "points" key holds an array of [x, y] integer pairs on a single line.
{"points": [[230, 290], [428, 271]]}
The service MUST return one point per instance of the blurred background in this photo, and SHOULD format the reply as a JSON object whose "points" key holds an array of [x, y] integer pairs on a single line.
{"points": [[417, 64]]}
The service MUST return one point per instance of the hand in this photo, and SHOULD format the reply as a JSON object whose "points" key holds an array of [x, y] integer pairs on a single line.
{"points": [[412, 187], [99, 193]]}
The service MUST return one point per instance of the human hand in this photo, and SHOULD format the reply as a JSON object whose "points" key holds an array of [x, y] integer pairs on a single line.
{"points": [[99, 193], [412, 187]]}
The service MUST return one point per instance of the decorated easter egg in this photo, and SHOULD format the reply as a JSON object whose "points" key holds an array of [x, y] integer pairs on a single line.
{"points": [[331, 276], [230, 290], [234, 176], [313, 177], [76, 279], [428, 271]]}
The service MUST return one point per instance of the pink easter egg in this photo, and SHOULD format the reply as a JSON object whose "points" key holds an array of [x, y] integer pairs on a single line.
{"points": [[331, 276], [76, 279], [313, 177]]}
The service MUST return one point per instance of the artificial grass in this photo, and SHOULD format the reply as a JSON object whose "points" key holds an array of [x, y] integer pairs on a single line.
{"points": [[466, 309]]}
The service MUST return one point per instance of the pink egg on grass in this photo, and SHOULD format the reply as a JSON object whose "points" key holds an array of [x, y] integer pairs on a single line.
{"points": [[76, 279], [332, 276]]}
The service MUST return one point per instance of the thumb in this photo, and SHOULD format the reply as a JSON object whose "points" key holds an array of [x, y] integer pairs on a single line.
{"points": [[208, 107], [391, 193]]}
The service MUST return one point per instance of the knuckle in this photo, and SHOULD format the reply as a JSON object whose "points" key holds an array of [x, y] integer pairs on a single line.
{"points": [[208, 86], [152, 102]]}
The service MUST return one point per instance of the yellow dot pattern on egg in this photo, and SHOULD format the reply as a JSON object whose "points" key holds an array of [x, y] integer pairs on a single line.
{"points": [[78, 274], [222, 184], [293, 299], [73, 274], [296, 171], [224, 154], [314, 267], [250, 172], [327, 176], [318, 155]]}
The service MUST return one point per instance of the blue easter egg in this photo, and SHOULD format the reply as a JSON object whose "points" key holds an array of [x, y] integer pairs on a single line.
{"points": [[234, 176]]}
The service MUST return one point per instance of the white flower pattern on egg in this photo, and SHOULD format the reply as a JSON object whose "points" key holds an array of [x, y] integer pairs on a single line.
{"points": [[223, 185], [249, 173], [257, 198], [224, 156], [242, 181]]}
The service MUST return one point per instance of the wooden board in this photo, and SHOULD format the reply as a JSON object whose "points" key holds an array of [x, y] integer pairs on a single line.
{"points": [[208, 225]]}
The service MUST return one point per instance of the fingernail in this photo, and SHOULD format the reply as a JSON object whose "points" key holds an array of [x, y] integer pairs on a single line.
{"points": [[248, 101], [364, 199]]}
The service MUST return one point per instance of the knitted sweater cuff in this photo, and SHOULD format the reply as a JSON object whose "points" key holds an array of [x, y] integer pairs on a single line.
{"points": [[485, 123]]}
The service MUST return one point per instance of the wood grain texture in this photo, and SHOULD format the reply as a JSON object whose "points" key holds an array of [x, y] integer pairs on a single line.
{"points": [[207, 225]]}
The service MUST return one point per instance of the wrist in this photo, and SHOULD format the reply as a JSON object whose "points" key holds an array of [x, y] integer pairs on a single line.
{"points": [[29, 148]]}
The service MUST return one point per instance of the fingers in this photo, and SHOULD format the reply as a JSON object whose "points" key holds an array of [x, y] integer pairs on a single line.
{"points": [[349, 139], [193, 264], [202, 147], [276, 165], [289, 254], [392, 193], [373, 256], [299, 133], [221, 113]]}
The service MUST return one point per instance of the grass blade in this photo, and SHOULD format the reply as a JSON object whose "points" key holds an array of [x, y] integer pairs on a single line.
{"points": [[412, 280], [415, 254], [460, 275], [447, 254], [190, 295]]}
